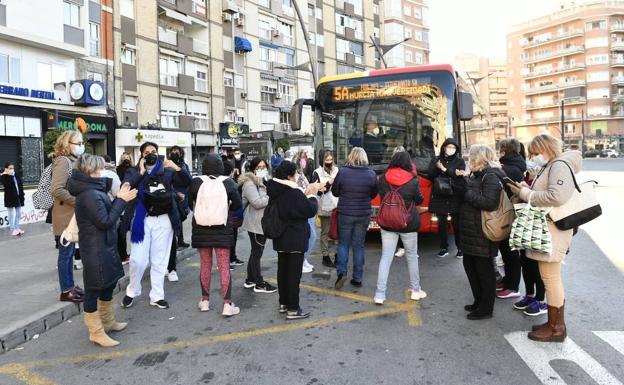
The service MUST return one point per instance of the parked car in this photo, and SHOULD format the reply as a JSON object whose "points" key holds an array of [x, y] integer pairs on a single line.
{"points": [[591, 154], [610, 153]]}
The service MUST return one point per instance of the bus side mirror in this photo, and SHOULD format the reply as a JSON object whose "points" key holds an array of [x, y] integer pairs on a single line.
{"points": [[296, 113], [465, 106]]}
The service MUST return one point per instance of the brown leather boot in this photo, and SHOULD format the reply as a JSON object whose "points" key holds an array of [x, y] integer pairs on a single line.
{"points": [[555, 330]]}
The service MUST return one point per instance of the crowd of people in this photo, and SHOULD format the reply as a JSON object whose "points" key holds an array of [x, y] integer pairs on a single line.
{"points": [[281, 198]]}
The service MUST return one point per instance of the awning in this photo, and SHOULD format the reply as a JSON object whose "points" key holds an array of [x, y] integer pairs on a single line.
{"points": [[176, 15], [241, 44], [269, 45]]}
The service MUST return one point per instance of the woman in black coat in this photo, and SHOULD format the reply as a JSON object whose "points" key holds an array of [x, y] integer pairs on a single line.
{"points": [[295, 207], [97, 220], [13, 197], [446, 167], [482, 193]]}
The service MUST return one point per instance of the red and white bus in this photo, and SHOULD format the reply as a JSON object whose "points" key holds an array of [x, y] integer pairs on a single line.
{"points": [[415, 107]]}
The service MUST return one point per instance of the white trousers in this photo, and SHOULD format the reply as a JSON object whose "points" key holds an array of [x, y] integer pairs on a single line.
{"points": [[154, 250]]}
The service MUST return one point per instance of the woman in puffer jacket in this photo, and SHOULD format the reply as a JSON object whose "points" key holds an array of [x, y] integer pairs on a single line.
{"points": [[255, 200], [552, 187], [483, 188]]}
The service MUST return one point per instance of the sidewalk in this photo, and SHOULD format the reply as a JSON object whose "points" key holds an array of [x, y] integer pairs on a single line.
{"points": [[29, 288]]}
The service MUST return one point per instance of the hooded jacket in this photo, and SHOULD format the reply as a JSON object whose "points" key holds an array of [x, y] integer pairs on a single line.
{"points": [[407, 183], [255, 200], [13, 191], [447, 204], [553, 187], [355, 186], [214, 236], [97, 218], [514, 166], [482, 194], [295, 209]]}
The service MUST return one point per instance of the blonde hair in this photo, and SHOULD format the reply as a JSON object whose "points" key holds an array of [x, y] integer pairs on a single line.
{"points": [[62, 147], [357, 157], [123, 155], [545, 144], [481, 156], [88, 164], [398, 149]]}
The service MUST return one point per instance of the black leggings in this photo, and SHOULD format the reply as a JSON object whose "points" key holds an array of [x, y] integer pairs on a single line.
{"points": [[173, 255], [254, 273], [91, 296], [511, 258], [289, 267], [122, 243], [233, 256], [532, 279], [480, 273], [443, 229]]}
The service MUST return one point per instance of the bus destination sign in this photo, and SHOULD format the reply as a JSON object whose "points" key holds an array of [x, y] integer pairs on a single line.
{"points": [[401, 88]]}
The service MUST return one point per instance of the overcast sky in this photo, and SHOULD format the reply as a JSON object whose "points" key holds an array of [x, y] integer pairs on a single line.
{"points": [[478, 26]]}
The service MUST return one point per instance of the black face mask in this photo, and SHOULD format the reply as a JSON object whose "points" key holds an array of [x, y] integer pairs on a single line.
{"points": [[329, 165], [126, 162], [151, 159], [174, 156]]}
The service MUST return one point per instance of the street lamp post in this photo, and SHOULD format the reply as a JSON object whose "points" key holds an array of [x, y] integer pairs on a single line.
{"points": [[562, 125], [383, 49]]}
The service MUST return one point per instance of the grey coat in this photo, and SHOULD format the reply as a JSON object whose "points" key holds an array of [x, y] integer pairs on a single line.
{"points": [[255, 200]]}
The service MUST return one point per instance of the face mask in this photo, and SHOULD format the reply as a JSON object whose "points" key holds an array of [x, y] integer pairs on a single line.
{"points": [[11, 172], [539, 160], [329, 164], [126, 162], [78, 150], [262, 173], [151, 159], [237, 157], [376, 131], [450, 151], [175, 156]]}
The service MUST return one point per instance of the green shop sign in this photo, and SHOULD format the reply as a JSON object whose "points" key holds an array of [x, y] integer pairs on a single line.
{"points": [[82, 125]]}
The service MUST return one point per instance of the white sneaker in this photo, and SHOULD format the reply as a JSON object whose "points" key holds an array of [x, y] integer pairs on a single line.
{"points": [[203, 305], [418, 295], [229, 309], [21, 231], [379, 301], [77, 264], [15, 233], [400, 252], [307, 267], [173, 276]]}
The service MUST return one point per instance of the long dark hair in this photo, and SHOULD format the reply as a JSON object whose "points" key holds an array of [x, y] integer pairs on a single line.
{"points": [[255, 162], [401, 160]]}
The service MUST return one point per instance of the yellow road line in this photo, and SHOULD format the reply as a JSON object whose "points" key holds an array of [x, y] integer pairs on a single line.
{"points": [[22, 373], [413, 317]]}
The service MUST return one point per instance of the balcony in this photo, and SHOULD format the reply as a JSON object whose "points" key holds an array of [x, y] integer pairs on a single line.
{"points": [[558, 37], [167, 36], [200, 47], [556, 103], [617, 45], [552, 119], [617, 62], [553, 71], [554, 87], [617, 80], [618, 98], [617, 27], [552, 55]]}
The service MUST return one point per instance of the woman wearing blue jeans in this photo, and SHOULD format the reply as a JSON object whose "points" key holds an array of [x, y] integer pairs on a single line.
{"points": [[355, 185], [400, 176]]}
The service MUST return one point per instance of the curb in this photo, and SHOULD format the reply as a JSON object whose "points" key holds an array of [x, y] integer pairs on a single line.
{"points": [[24, 330]]}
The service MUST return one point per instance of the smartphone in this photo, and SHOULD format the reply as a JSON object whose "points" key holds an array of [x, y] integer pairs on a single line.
{"points": [[508, 180]]}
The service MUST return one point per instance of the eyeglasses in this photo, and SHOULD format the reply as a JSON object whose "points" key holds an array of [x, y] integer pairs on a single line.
{"points": [[76, 144]]}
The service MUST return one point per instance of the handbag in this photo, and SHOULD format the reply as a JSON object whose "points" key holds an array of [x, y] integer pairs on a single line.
{"points": [[442, 186], [70, 234], [581, 208], [529, 230], [333, 225], [496, 224]]}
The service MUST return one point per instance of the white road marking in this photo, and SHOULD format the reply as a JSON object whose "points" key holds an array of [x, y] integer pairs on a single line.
{"points": [[538, 355], [615, 339]]}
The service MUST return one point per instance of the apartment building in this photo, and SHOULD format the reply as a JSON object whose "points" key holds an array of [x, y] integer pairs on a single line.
{"points": [[573, 60], [407, 19], [486, 79], [55, 73]]}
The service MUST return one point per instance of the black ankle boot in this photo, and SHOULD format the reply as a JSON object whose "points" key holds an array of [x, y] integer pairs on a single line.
{"points": [[328, 262]]}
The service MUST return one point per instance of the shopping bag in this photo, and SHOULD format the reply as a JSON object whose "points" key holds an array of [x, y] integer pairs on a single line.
{"points": [[333, 225], [529, 230]]}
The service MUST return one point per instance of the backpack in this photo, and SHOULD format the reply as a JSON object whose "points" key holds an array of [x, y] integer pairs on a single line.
{"points": [[42, 198], [212, 205], [272, 225], [496, 224], [393, 215]]}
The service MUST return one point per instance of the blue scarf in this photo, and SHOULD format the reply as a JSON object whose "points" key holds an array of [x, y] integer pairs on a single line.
{"points": [[138, 224]]}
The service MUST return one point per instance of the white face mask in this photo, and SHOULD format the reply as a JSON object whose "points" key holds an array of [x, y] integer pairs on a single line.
{"points": [[539, 160], [450, 151], [78, 150], [376, 130], [262, 174]]}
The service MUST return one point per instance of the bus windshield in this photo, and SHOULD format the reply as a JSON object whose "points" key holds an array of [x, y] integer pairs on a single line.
{"points": [[413, 110]]}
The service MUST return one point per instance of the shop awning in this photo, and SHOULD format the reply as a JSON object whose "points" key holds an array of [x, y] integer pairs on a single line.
{"points": [[269, 45], [176, 15], [241, 44]]}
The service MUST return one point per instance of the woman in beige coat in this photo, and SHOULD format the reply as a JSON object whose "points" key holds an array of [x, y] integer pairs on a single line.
{"points": [[552, 187], [69, 146]]}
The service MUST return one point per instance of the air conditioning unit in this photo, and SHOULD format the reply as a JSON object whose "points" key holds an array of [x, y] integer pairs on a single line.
{"points": [[227, 16], [240, 20], [278, 95], [244, 95], [275, 32]]}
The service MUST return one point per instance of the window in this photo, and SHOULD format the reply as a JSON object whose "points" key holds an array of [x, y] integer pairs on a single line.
{"points": [[357, 6], [319, 13], [343, 47], [228, 79], [597, 59], [408, 33], [392, 9], [264, 3], [597, 42], [71, 14], [267, 94], [199, 7], [599, 24], [264, 29], [407, 10], [287, 33], [598, 111], [376, 9], [200, 73], [376, 32], [267, 57], [94, 39], [129, 103], [170, 111], [418, 58], [199, 111], [10, 70], [597, 93], [169, 70], [418, 35], [288, 93], [284, 118], [48, 74], [417, 13], [128, 55], [408, 56], [238, 81], [95, 76], [127, 8], [598, 76], [227, 43], [230, 116], [287, 8]]}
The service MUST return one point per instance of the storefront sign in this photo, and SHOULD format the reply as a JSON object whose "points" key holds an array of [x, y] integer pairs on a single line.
{"points": [[134, 138], [29, 214], [230, 133], [84, 123], [26, 93]]}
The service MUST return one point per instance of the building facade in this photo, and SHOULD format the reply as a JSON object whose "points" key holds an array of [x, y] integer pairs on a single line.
{"points": [[55, 74], [570, 63], [407, 19]]}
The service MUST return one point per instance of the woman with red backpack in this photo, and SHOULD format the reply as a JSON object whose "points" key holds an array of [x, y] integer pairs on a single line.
{"points": [[399, 218]]}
